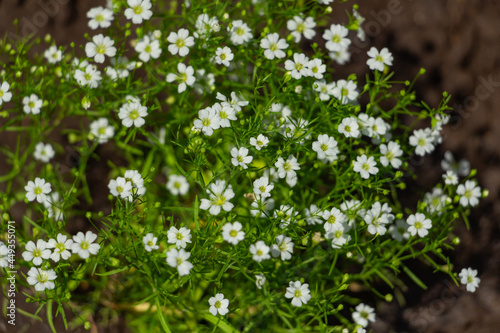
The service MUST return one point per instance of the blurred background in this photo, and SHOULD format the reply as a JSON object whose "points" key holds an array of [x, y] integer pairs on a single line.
{"points": [[458, 43]]}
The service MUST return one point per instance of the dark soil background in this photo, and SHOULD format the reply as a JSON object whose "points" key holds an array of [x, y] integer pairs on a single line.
{"points": [[458, 43]]}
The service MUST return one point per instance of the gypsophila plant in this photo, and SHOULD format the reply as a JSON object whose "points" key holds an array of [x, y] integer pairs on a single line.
{"points": [[200, 165]]}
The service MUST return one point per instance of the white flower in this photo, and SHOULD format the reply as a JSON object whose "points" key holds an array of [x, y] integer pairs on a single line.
{"points": [[260, 251], [377, 218], [298, 292], [313, 215], [373, 127], [418, 224], [205, 25], [436, 201], [423, 141], [178, 258], [336, 38], [226, 113], [219, 198], [52, 205], [185, 77], [5, 95], [180, 237], [262, 187], [283, 247], [470, 193], [345, 91], [332, 218], [468, 276], [208, 121], [284, 214], [37, 190], [349, 127], [338, 235], [378, 60], [139, 10], [148, 48], [100, 17], [99, 47], [352, 208], [43, 152], [287, 168], [133, 113], [224, 55], [325, 146], [365, 166], [61, 245], [260, 142], [120, 187], [390, 153], [340, 57], [240, 157], [36, 253], [90, 77], [273, 46], [101, 129], [461, 168], [120, 69], [325, 90], [316, 68], [450, 178], [363, 315], [84, 245], [218, 304], [180, 42], [232, 233], [4, 255], [53, 54], [149, 242], [300, 27], [260, 280], [325, 2], [235, 102], [261, 205], [399, 231], [177, 185], [135, 178], [298, 66], [41, 279], [240, 33], [32, 104]]}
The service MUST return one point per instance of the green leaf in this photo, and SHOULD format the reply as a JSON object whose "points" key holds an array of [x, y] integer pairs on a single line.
{"points": [[162, 319], [220, 322], [414, 277]]}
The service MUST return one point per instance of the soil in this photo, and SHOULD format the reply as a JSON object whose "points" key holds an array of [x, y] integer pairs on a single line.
{"points": [[457, 42]]}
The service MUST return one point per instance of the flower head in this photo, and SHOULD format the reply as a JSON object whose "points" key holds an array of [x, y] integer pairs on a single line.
{"points": [[41, 279], [37, 190], [218, 304], [298, 292], [84, 245]]}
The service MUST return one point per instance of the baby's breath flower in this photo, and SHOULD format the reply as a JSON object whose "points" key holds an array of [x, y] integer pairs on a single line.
{"points": [[218, 304], [178, 258], [180, 42], [83, 244], [148, 49], [177, 185], [53, 55], [180, 237], [43, 152], [224, 55], [273, 46], [300, 27], [99, 47], [240, 157], [37, 190], [61, 245], [41, 279], [299, 66], [120, 187], [379, 59], [468, 276], [133, 113], [336, 38], [100, 17], [260, 142], [32, 104], [418, 224], [5, 95], [240, 33], [470, 193], [101, 129], [138, 11], [298, 292], [287, 168], [262, 187], [390, 153], [345, 91], [363, 315], [208, 121], [365, 166], [36, 252], [232, 233], [185, 77], [349, 127], [219, 198], [283, 247], [90, 77], [149, 242], [423, 141], [260, 280], [260, 251], [450, 178]]}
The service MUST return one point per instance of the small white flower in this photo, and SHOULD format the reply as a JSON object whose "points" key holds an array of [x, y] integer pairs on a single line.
{"points": [[260, 251], [378, 60], [363, 315], [101, 129], [418, 224], [178, 258], [340, 57], [390, 153], [149, 242], [4, 255], [345, 91], [43, 152], [84, 245], [324, 89], [177, 185], [470, 193], [133, 113], [224, 55], [205, 25], [120, 187], [298, 292], [260, 280], [349, 127], [283, 247], [53, 206], [298, 66], [338, 235], [365, 166], [461, 168], [287, 168], [262, 187], [100, 17], [61, 245], [260, 142], [450, 178], [423, 141], [300, 27], [90, 77], [208, 121], [316, 68], [226, 113], [5, 95], [180, 42], [120, 68], [180, 237], [377, 218], [336, 38], [235, 102], [99, 47], [53, 55], [36, 253], [32, 104], [435, 200], [273, 46], [232, 233], [399, 231], [332, 218], [240, 157], [138, 10], [313, 215], [148, 48], [219, 198], [218, 304], [38, 190], [41, 279], [468, 276], [325, 146], [185, 77], [240, 33]]}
